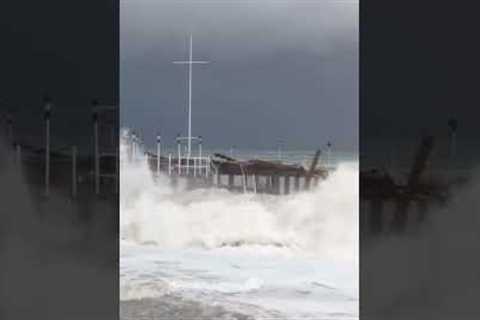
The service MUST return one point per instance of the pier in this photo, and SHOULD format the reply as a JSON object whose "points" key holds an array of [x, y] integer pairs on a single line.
{"points": [[225, 172], [66, 168]]}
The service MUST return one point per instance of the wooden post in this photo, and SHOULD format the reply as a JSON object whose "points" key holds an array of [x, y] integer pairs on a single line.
{"points": [[255, 183], [420, 161], [268, 184], [311, 170], [275, 184], [74, 171], [287, 184], [219, 178], [231, 180], [207, 169]]}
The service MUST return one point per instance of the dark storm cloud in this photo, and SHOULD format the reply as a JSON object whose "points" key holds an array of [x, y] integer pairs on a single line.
{"points": [[280, 70]]}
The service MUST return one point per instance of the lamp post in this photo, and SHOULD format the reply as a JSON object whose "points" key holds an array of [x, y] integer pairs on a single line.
{"points": [[96, 155], [47, 115]]}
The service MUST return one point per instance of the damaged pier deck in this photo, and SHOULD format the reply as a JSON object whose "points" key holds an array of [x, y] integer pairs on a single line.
{"points": [[389, 206], [257, 176]]}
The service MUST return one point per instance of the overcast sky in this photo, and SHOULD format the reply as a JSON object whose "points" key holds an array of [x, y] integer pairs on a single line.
{"points": [[279, 70]]}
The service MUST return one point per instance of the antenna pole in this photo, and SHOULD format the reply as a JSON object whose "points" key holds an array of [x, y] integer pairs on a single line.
{"points": [[190, 63], [189, 150]]}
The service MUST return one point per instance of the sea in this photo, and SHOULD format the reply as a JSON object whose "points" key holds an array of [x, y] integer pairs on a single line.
{"points": [[212, 254]]}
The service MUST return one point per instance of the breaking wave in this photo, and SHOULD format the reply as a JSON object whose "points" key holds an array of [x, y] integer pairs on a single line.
{"points": [[323, 221]]}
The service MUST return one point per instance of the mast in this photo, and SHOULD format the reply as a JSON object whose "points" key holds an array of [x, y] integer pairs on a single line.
{"points": [[190, 63]]}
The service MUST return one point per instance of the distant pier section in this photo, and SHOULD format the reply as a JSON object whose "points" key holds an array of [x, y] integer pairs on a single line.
{"points": [[81, 169]]}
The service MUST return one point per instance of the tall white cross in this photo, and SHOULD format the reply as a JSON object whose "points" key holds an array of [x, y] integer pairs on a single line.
{"points": [[190, 62]]}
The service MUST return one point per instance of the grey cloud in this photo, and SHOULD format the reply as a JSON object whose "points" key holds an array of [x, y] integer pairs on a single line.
{"points": [[280, 69]]}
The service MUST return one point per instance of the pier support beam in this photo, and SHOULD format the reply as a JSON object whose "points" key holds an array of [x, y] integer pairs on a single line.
{"points": [[276, 184], [286, 188]]}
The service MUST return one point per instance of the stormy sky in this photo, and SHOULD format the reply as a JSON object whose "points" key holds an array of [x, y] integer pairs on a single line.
{"points": [[279, 70]]}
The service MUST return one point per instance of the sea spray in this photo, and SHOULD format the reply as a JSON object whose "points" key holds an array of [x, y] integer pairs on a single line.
{"points": [[320, 222]]}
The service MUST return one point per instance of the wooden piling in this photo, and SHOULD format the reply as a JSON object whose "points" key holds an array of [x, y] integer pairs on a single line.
{"points": [[286, 188], [312, 169], [275, 184]]}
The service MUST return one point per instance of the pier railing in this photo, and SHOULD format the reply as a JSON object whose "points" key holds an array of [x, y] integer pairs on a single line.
{"points": [[182, 166]]}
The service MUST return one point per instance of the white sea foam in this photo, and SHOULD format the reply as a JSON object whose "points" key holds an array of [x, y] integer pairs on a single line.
{"points": [[296, 253]]}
